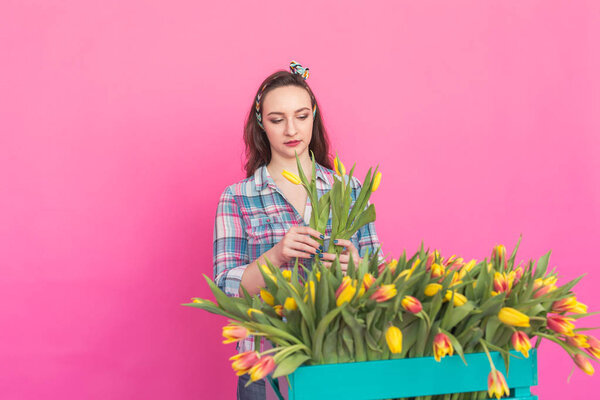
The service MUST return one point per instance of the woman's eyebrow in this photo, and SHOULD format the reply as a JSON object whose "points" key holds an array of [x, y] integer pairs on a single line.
{"points": [[298, 110]]}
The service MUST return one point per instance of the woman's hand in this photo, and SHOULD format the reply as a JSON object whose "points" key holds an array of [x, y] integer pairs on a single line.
{"points": [[297, 242], [349, 249]]}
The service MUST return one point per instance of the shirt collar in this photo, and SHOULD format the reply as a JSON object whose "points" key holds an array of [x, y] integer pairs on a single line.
{"points": [[262, 179]]}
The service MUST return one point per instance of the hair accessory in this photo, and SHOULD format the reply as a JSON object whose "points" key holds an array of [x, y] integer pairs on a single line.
{"points": [[296, 69]]}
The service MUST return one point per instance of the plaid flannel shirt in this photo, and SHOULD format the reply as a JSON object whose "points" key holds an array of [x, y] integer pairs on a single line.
{"points": [[253, 216]]}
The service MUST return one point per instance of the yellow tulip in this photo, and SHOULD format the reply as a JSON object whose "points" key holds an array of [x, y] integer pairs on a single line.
{"points": [[265, 269], [393, 337], [432, 289], [376, 182], [459, 299], [253, 311], [290, 304], [287, 274], [310, 287], [267, 297], [510, 316], [345, 291], [339, 167], [295, 179]]}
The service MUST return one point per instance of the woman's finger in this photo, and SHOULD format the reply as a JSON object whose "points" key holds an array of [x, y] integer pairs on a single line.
{"points": [[345, 243], [307, 240], [303, 247], [307, 230]]}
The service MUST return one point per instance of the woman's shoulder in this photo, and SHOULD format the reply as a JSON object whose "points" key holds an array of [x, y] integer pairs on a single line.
{"points": [[244, 187]]}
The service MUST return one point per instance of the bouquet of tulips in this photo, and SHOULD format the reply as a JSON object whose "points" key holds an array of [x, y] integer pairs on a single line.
{"points": [[423, 305]]}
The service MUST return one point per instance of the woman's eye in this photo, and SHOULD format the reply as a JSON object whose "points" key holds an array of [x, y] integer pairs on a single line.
{"points": [[303, 116], [276, 121]]}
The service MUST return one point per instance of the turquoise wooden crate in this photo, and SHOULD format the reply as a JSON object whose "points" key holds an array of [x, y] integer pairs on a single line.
{"points": [[374, 380]]}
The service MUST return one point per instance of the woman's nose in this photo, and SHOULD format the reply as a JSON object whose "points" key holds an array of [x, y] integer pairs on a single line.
{"points": [[290, 127]]}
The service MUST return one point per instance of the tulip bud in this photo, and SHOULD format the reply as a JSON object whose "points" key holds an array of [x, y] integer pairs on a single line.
{"points": [[437, 270], [594, 344], [367, 281], [579, 341], [310, 287], [501, 283], [584, 364], [376, 182], [265, 269], [253, 311], [267, 297], [442, 346], [459, 299], [432, 289], [384, 293], [262, 368], [393, 337], [412, 304], [339, 167], [290, 304], [345, 291], [497, 385], [500, 252], [287, 274], [560, 324], [290, 176], [430, 260], [521, 342], [234, 333], [242, 362], [510, 316], [569, 304], [278, 310]]}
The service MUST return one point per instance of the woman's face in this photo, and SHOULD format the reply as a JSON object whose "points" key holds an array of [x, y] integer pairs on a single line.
{"points": [[288, 121]]}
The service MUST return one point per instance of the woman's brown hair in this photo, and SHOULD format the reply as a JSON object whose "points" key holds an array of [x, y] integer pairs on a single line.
{"points": [[258, 150]]}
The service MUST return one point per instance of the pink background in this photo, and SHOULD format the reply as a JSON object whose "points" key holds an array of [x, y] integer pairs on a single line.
{"points": [[121, 123]]}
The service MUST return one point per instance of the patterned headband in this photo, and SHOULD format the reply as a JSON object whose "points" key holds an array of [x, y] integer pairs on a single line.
{"points": [[296, 69]]}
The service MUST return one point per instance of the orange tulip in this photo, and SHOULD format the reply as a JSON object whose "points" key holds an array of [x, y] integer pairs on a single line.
{"points": [[442, 346], [579, 341], [242, 362], [262, 368], [560, 324], [497, 384], [384, 293], [234, 333], [412, 304], [569, 304], [367, 281], [584, 364], [594, 348], [437, 270], [521, 342]]}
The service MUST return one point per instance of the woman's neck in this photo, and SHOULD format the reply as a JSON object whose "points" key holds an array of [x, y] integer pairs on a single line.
{"points": [[277, 165]]}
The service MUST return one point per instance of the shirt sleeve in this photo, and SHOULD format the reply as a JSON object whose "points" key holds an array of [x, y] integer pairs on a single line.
{"points": [[230, 245], [367, 235]]}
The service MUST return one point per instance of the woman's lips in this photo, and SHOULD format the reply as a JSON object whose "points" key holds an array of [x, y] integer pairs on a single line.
{"points": [[292, 143]]}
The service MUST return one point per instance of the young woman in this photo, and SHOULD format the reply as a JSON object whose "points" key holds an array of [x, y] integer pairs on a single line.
{"points": [[266, 217]]}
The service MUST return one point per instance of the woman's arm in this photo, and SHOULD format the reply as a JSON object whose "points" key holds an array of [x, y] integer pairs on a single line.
{"points": [[233, 267]]}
